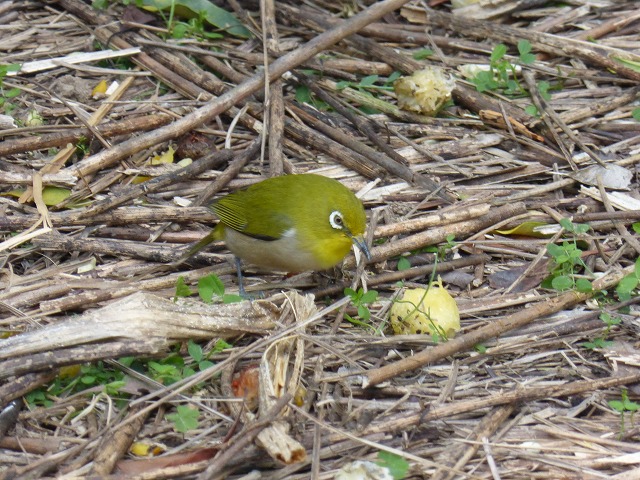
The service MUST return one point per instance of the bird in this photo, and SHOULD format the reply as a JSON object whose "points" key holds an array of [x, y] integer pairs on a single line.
{"points": [[291, 223]]}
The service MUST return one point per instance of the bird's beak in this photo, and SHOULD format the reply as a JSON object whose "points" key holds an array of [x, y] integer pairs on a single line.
{"points": [[362, 245]]}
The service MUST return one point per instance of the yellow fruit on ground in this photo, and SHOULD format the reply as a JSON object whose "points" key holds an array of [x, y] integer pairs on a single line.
{"points": [[432, 310]]}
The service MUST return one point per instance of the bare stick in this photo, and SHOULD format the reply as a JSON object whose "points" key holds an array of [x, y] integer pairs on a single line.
{"points": [[523, 395]]}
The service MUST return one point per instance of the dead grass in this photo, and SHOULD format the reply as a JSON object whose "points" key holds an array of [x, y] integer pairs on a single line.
{"points": [[515, 395]]}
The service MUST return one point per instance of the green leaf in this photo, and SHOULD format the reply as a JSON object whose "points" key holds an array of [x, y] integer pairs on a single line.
{"points": [[163, 369], [113, 388], [617, 405], [397, 465], [9, 67], [512, 87], [12, 92], [623, 296], [627, 284], [610, 320], [38, 398], [597, 343], [209, 286], [574, 254], [54, 195], [303, 94], [356, 322], [393, 77], [195, 351], [546, 283], [636, 226], [531, 110], [498, 52], [368, 110], [341, 85], [561, 283], [350, 292], [566, 224], [403, 264], [182, 289], [543, 89], [422, 54], [185, 418], [583, 285], [364, 313], [635, 66], [127, 361], [581, 228], [524, 46], [207, 10], [220, 346], [484, 81], [205, 364], [636, 267], [480, 348], [369, 297], [635, 113], [180, 30], [527, 58], [232, 298], [369, 80], [554, 250]]}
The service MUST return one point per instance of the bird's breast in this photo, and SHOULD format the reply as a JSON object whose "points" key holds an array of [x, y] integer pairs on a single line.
{"points": [[285, 254]]}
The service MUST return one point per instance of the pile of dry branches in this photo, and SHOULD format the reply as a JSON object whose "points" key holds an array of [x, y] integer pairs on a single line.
{"points": [[89, 223]]}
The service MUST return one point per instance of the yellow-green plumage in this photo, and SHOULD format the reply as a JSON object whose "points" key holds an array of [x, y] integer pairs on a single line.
{"points": [[292, 223]]}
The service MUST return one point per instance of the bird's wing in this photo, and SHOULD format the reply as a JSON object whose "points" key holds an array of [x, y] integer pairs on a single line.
{"points": [[252, 220]]}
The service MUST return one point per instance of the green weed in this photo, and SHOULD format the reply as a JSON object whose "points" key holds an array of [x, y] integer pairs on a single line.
{"points": [[360, 300], [567, 261]]}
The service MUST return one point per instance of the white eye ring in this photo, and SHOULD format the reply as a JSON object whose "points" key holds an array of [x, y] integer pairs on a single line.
{"points": [[336, 221]]}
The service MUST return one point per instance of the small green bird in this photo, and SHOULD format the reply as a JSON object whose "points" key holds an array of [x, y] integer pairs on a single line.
{"points": [[292, 223]]}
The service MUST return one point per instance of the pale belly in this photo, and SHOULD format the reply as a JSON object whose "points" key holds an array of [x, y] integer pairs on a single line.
{"points": [[283, 254]]}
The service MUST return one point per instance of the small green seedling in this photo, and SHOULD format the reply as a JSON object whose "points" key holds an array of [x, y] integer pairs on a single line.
{"points": [[304, 95], [182, 289], [403, 264], [174, 367], [7, 94], [567, 261], [76, 379], [628, 286], [210, 289], [185, 418], [502, 75], [369, 82], [597, 343], [623, 406], [360, 300], [195, 27], [442, 251], [480, 348]]}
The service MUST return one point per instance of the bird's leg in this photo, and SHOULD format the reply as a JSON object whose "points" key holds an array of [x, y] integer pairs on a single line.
{"points": [[241, 290]]}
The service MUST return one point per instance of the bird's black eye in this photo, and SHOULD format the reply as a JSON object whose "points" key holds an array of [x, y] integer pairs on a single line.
{"points": [[336, 220]]}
